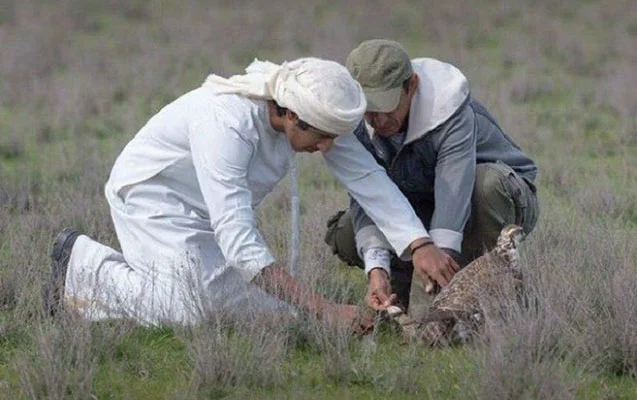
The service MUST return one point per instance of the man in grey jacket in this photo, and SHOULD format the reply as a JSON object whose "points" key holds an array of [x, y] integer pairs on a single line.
{"points": [[464, 177]]}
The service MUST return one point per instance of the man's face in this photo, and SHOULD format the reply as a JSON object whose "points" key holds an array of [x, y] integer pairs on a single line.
{"points": [[388, 124], [308, 140]]}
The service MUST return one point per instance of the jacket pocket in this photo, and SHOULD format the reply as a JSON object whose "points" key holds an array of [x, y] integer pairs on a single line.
{"points": [[516, 188]]}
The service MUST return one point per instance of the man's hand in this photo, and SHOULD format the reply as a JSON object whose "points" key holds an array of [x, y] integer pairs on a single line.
{"points": [[431, 263], [379, 295]]}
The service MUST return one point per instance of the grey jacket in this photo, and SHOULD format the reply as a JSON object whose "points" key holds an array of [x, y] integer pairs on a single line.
{"points": [[435, 165]]}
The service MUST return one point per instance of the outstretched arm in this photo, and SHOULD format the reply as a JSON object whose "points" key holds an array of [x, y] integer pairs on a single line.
{"points": [[375, 251], [368, 183], [382, 214], [278, 282]]}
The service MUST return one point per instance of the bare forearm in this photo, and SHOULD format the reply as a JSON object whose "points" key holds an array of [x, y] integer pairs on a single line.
{"points": [[278, 282]]}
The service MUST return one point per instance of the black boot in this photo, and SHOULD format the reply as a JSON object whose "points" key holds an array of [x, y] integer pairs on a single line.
{"points": [[54, 288]]}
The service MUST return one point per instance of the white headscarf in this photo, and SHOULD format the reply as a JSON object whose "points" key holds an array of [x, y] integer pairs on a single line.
{"points": [[322, 93]]}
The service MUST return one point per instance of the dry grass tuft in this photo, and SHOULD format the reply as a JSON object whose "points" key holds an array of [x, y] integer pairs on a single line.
{"points": [[228, 353], [61, 366]]}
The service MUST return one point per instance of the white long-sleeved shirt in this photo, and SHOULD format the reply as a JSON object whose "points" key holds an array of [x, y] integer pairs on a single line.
{"points": [[225, 157]]}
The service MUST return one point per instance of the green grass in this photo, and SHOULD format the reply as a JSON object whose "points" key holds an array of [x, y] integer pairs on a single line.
{"points": [[153, 363], [146, 363]]}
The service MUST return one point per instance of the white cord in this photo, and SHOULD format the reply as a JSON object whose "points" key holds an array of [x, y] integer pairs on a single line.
{"points": [[295, 205]]}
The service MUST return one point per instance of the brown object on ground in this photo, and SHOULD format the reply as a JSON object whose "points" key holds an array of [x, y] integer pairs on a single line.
{"points": [[457, 312]]}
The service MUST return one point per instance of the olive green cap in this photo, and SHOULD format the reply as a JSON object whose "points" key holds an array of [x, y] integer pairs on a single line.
{"points": [[380, 66]]}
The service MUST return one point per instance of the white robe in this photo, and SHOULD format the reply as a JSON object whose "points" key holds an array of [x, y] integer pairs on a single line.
{"points": [[182, 196]]}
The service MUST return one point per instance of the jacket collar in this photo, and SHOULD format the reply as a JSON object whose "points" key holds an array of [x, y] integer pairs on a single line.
{"points": [[442, 89]]}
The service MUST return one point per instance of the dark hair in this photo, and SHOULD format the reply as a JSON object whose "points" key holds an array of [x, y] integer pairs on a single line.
{"points": [[302, 125], [280, 111]]}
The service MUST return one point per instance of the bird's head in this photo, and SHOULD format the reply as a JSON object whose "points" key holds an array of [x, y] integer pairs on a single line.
{"points": [[511, 236], [508, 241]]}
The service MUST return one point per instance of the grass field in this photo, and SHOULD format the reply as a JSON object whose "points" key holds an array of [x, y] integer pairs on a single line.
{"points": [[78, 78]]}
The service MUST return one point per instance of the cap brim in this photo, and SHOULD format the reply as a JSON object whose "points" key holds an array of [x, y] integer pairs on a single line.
{"points": [[383, 101]]}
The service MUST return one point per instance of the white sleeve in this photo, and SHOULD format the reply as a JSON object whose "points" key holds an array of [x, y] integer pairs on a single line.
{"points": [[377, 258], [221, 157], [381, 199]]}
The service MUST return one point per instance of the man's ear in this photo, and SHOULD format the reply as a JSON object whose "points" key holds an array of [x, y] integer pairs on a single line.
{"points": [[291, 115], [414, 81]]}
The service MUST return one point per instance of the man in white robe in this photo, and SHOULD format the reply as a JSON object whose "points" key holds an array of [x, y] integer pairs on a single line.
{"points": [[182, 195]]}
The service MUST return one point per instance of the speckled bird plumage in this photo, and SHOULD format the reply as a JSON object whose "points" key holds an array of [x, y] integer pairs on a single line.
{"points": [[457, 310]]}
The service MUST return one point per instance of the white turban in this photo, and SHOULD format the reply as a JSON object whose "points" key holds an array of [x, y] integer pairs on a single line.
{"points": [[322, 93]]}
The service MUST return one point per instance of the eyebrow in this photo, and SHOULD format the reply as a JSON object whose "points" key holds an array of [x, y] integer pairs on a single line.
{"points": [[325, 134]]}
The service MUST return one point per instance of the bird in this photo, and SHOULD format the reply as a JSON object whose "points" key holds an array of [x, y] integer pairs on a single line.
{"points": [[458, 310]]}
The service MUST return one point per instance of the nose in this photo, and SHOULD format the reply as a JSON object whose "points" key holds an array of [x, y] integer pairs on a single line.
{"points": [[325, 144], [375, 119]]}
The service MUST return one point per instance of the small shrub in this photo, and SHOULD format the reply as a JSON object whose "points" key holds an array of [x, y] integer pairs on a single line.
{"points": [[227, 354], [12, 148]]}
